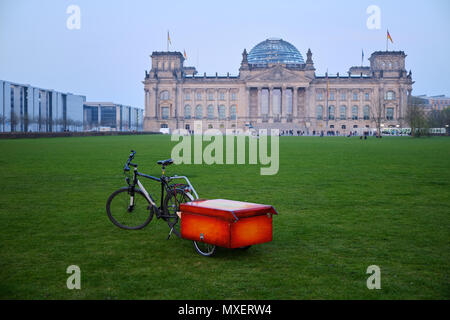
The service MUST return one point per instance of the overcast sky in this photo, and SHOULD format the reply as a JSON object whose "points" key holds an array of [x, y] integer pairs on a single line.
{"points": [[107, 57]]}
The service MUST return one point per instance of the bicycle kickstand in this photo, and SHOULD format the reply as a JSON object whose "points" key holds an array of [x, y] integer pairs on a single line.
{"points": [[170, 233]]}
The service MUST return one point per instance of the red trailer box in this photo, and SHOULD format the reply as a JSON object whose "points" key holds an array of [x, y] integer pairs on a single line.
{"points": [[226, 223]]}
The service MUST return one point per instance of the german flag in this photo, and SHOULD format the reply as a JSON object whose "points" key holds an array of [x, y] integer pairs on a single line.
{"points": [[389, 36]]}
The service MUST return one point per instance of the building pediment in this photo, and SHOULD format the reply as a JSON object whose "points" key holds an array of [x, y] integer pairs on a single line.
{"points": [[278, 73]]}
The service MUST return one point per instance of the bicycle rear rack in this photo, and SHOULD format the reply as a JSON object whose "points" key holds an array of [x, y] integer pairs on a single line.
{"points": [[188, 182]]}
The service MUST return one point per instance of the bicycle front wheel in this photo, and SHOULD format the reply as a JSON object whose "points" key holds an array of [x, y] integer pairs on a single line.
{"points": [[127, 211]]}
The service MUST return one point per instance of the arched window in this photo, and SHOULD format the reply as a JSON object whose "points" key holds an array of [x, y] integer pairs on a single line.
{"points": [[355, 113], [319, 112], [233, 112], [343, 113], [187, 111], [222, 114], [198, 112], [164, 95], [210, 112], [331, 113], [390, 95], [366, 112]]}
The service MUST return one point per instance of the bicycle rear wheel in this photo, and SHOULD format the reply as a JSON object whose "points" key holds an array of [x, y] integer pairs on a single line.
{"points": [[172, 202], [127, 212]]}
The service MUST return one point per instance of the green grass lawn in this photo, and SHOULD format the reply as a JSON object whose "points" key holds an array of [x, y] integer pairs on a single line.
{"points": [[343, 204]]}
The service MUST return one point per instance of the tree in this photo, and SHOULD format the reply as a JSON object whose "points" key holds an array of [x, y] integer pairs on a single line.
{"points": [[377, 114], [415, 117]]}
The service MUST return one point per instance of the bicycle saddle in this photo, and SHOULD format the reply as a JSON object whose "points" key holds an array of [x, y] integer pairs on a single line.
{"points": [[165, 162]]}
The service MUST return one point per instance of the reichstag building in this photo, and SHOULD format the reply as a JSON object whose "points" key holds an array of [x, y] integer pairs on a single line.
{"points": [[277, 88]]}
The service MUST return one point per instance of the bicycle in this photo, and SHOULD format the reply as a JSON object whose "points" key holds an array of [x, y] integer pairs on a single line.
{"points": [[132, 207]]}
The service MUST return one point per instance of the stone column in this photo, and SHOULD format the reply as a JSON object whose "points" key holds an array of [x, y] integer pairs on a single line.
{"points": [[283, 107], [295, 102], [156, 102], [270, 111], [247, 91], [259, 103]]}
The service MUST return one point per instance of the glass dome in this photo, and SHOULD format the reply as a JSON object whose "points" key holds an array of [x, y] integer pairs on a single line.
{"points": [[275, 50]]}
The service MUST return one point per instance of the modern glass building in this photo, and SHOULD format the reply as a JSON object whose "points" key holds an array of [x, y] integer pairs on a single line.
{"points": [[24, 108], [108, 116]]}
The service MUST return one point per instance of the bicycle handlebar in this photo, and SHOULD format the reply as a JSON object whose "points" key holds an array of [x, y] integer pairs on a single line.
{"points": [[128, 163]]}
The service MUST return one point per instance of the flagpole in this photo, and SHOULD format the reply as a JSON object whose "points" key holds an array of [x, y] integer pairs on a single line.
{"points": [[387, 38]]}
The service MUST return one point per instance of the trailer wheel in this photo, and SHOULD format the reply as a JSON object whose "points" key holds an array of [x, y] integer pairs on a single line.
{"points": [[204, 249]]}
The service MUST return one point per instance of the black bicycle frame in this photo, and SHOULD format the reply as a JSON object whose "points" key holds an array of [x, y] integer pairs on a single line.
{"points": [[164, 187]]}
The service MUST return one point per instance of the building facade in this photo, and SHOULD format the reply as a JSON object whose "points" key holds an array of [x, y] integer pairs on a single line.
{"points": [[112, 117], [24, 108], [276, 88], [437, 103]]}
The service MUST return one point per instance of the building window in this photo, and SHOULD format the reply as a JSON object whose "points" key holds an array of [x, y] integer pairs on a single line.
{"points": [[164, 126], [331, 95], [165, 112], [343, 113], [187, 111], [233, 112], [366, 112], [355, 126], [222, 114], [390, 113], [344, 126], [355, 96], [164, 95], [210, 96], [199, 96], [187, 96], [390, 95], [210, 112], [343, 96], [198, 112], [354, 113], [319, 96], [210, 126], [319, 112], [221, 96], [331, 111], [367, 96], [233, 96]]}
